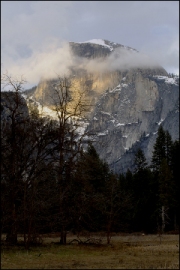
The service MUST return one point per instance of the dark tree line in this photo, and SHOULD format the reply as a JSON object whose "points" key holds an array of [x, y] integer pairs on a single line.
{"points": [[154, 189], [50, 184]]}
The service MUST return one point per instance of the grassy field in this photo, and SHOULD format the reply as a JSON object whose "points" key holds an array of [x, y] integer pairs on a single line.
{"points": [[125, 252]]}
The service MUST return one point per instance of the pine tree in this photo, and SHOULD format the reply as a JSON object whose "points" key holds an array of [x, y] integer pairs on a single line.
{"points": [[166, 192], [176, 177], [165, 184], [142, 195], [159, 151], [140, 161], [168, 147], [162, 149], [94, 169], [90, 180], [162, 164]]}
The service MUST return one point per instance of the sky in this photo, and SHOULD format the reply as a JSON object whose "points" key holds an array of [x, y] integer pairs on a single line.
{"points": [[34, 34]]}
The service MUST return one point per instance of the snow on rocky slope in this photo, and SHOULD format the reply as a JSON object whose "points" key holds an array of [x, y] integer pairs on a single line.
{"points": [[127, 106]]}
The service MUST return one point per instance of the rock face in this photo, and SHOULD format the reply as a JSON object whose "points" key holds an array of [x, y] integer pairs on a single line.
{"points": [[96, 48], [128, 117], [128, 104]]}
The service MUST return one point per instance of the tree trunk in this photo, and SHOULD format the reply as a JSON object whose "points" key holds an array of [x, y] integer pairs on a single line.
{"points": [[108, 237], [63, 237], [11, 236], [25, 216], [175, 223], [109, 233], [163, 219]]}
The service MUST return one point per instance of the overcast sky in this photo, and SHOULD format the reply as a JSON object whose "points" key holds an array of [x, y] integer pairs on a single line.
{"points": [[33, 32]]}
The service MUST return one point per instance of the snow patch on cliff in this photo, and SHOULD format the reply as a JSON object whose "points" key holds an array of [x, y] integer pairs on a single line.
{"points": [[105, 113], [103, 133], [98, 42], [120, 124], [173, 80], [160, 122], [82, 127], [118, 88]]}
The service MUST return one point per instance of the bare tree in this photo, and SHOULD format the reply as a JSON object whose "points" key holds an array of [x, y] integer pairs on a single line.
{"points": [[13, 119], [31, 147], [69, 110], [26, 156]]}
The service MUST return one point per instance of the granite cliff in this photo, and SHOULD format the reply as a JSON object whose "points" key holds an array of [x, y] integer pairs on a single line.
{"points": [[129, 101]]}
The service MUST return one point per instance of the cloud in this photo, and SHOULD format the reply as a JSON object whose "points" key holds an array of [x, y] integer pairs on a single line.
{"points": [[55, 59], [31, 30], [45, 63], [120, 59], [168, 57]]}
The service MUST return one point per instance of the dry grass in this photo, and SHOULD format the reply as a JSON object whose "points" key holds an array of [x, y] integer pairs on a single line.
{"points": [[125, 252]]}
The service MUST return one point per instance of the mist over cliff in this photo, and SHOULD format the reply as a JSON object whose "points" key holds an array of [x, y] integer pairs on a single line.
{"points": [[130, 94]]}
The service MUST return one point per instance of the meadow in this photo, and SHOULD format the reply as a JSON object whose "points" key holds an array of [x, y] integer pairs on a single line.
{"points": [[126, 251]]}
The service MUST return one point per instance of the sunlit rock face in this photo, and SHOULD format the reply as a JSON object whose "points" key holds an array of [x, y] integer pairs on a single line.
{"points": [[129, 116], [127, 104]]}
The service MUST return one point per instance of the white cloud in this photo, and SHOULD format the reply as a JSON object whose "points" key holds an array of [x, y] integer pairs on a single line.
{"points": [[46, 62], [56, 59]]}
